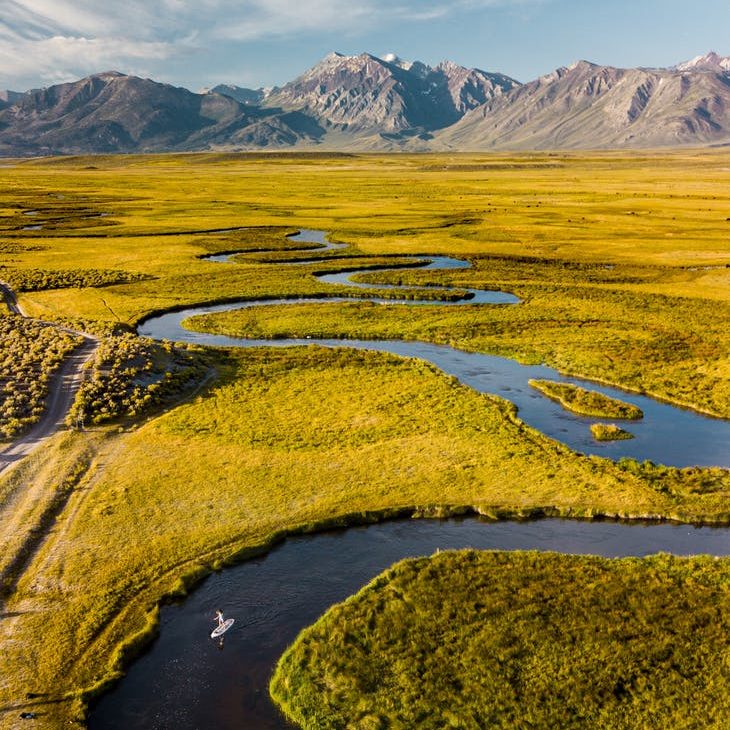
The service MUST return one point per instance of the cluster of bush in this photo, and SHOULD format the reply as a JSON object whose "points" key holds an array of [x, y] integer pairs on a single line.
{"points": [[41, 279], [9, 248], [130, 375], [609, 432], [30, 353]]}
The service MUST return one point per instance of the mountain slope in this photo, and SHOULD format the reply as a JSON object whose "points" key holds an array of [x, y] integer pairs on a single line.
{"points": [[365, 93], [8, 98], [587, 105], [378, 104], [111, 112]]}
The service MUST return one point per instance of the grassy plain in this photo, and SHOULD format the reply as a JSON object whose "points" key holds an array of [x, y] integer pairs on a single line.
{"points": [[514, 640], [621, 261]]}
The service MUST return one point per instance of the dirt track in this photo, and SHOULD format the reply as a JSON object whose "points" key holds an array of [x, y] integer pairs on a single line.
{"points": [[62, 391]]}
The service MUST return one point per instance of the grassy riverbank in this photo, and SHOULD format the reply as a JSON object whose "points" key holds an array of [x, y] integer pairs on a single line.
{"points": [[621, 262], [503, 640], [586, 402], [636, 342], [285, 440]]}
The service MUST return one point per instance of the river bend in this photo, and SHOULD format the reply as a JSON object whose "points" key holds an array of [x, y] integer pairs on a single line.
{"points": [[667, 434], [187, 681]]}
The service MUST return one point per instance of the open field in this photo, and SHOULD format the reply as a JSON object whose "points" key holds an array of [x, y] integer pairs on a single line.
{"points": [[506, 640], [623, 266], [623, 261]]}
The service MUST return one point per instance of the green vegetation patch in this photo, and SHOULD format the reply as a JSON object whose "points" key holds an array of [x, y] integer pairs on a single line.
{"points": [[34, 209], [30, 353], [24, 280], [131, 374], [610, 432], [504, 640], [586, 402]]}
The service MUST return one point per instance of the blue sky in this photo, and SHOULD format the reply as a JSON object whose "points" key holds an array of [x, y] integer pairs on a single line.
{"points": [[196, 43]]}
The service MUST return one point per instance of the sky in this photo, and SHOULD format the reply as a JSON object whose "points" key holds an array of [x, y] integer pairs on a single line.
{"points": [[199, 43]]}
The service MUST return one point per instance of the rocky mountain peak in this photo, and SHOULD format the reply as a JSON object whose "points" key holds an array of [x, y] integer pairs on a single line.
{"points": [[109, 75], [711, 61], [583, 66], [389, 94]]}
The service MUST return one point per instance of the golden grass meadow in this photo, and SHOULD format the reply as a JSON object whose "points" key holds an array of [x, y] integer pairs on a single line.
{"points": [[622, 263]]}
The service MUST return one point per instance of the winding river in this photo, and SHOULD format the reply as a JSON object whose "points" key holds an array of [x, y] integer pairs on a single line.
{"points": [[667, 434], [187, 681]]}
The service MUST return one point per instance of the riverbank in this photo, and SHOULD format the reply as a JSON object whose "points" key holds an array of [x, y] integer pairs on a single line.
{"points": [[504, 640], [275, 596], [287, 440]]}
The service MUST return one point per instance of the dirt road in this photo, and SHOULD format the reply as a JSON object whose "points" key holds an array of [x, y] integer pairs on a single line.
{"points": [[62, 391]]}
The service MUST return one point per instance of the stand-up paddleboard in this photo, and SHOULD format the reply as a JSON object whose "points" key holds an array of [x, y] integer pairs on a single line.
{"points": [[220, 630]]}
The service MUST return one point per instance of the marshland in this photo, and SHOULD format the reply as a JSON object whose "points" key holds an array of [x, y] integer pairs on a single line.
{"points": [[190, 458]]}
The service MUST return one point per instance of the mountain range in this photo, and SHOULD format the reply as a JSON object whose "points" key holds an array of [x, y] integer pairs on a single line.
{"points": [[364, 102]]}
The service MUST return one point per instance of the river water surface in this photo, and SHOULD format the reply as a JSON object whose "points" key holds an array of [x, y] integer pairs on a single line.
{"points": [[187, 681], [667, 434]]}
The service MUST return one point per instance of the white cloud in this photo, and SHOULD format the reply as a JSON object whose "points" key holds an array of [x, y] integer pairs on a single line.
{"points": [[63, 39]]}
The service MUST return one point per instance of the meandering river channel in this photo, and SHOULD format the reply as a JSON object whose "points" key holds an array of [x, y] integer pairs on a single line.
{"points": [[667, 434], [187, 681]]}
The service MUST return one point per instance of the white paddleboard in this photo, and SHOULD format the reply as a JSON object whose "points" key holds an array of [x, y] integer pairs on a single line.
{"points": [[220, 630]]}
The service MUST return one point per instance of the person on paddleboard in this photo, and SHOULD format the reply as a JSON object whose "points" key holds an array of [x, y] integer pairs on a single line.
{"points": [[219, 616]]}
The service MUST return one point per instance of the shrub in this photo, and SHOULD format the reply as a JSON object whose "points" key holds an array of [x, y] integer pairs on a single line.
{"points": [[131, 374], [30, 353], [42, 279], [609, 432]]}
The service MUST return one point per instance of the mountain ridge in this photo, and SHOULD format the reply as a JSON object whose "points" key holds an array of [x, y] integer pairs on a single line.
{"points": [[364, 92], [587, 105], [112, 112], [364, 102]]}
